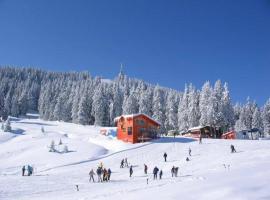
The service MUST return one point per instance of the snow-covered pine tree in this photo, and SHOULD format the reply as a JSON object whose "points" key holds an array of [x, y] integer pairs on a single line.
{"points": [[227, 109], [130, 105], [171, 111], [193, 107], [159, 107], [205, 104], [52, 147], [183, 111], [7, 125], [101, 106], [145, 101], [266, 118]]}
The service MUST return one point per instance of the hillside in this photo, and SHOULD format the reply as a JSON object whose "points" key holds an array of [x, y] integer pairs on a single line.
{"points": [[212, 173]]}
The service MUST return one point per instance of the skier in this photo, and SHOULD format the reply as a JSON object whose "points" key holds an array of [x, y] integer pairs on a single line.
{"points": [[165, 156], [30, 170], [233, 149], [145, 169], [176, 171], [173, 171], [189, 151], [187, 159], [155, 172], [99, 172], [23, 170], [122, 163], [91, 174], [105, 175], [109, 174], [126, 162], [200, 139], [130, 171], [160, 174]]}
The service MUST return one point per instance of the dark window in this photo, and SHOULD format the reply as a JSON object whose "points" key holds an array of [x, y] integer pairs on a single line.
{"points": [[129, 130], [140, 122]]}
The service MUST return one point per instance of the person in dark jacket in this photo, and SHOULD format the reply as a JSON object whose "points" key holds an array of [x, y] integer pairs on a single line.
{"points": [[145, 169], [165, 156], [189, 151], [233, 149], [130, 171], [160, 174], [173, 171], [176, 171], [109, 174], [99, 172], [23, 170], [155, 172], [122, 163]]}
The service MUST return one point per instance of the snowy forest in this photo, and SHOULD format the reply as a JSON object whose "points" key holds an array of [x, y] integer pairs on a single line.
{"points": [[80, 98]]}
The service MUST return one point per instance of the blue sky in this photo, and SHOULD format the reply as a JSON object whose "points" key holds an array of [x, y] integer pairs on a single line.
{"points": [[169, 42]]}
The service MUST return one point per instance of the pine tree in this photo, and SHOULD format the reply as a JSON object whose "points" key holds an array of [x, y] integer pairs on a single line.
{"points": [[7, 126], [266, 118], [52, 147], [183, 112], [158, 107], [205, 104]]}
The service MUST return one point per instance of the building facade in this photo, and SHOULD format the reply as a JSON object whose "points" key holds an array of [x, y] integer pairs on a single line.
{"points": [[136, 128]]}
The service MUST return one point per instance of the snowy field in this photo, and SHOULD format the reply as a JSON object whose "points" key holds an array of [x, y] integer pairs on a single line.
{"points": [[213, 173]]}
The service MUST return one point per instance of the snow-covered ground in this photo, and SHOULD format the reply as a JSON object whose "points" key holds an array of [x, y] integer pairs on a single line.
{"points": [[212, 173]]}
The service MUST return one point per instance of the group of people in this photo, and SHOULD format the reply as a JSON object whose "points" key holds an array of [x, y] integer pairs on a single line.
{"points": [[104, 175], [124, 163], [29, 169], [155, 172], [174, 171]]}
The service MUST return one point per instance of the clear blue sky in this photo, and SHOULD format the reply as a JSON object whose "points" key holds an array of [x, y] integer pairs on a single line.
{"points": [[160, 41]]}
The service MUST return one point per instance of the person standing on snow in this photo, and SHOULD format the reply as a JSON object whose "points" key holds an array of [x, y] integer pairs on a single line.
{"points": [[126, 162], [145, 169], [160, 174], [200, 139], [189, 151], [173, 171], [99, 172], [155, 172], [233, 149], [165, 156], [109, 174], [176, 171], [91, 174], [130, 171], [23, 170], [122, 163]]}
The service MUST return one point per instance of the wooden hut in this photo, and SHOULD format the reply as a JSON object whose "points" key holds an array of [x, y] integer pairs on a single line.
{"points": [[136, 128]]}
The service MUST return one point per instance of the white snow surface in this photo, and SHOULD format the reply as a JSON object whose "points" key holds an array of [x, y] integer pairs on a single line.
{"points": [[212, 173]]}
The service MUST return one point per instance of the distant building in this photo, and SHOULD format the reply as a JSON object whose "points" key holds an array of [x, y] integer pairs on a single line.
{"points": [[136, 128], [204, 131]]}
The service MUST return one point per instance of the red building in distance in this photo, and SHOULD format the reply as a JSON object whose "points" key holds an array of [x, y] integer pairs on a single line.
{"points": [[136, 128]]}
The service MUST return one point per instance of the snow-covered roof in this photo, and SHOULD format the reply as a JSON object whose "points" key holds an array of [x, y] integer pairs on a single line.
{"points": [[135, 115], [196, 128]]}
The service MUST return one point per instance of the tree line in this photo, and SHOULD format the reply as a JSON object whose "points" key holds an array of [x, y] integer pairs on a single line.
{"points": [[80, 98]]}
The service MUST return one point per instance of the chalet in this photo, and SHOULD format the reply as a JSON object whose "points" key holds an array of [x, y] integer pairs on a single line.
{"points": [[136, 128], [204, 131]]}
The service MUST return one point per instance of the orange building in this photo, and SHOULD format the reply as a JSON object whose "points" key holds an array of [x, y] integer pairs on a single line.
{"points": [[136, 128]]}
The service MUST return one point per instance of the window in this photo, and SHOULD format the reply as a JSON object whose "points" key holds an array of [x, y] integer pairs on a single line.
{"points": [[140, 122], [129, 130]]}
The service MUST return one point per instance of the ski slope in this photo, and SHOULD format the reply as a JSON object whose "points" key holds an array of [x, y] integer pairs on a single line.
{"points": [[212, 172]]}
